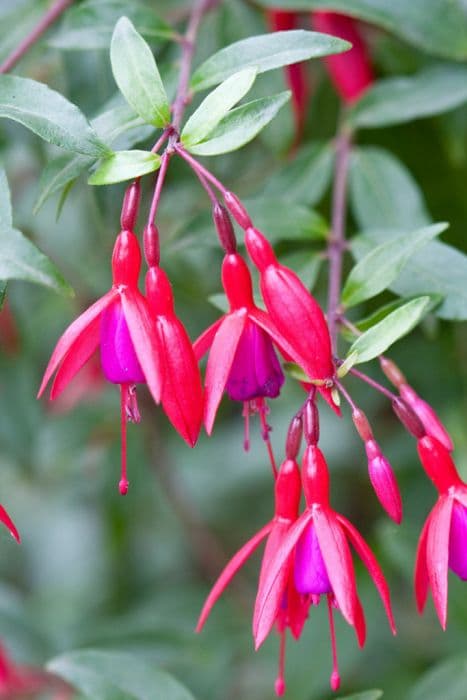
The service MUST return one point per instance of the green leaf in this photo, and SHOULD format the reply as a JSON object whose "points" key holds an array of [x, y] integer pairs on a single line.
{"points": [[241, 125], [111, 675], [6, 214], [266, 52], [383, 193], [434, 90], [49, 115], [286, 221], [440, 28], [366, 695], [446, 680], [216, 105], [89, 25], [3, 288], [58, 173], [382, 265], [437, 269], [393, 327], [124, 165], [307, 177], [136, 74]]}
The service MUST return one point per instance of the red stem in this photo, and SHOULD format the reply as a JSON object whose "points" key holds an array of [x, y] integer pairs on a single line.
{"points": [[199, 169], [158, 188], [52, 14], [376, 385]]}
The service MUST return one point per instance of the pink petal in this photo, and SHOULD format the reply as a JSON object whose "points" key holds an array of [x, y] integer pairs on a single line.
{"points": [[374, 569], [205, 340], [220, 361], [437, 555], [338, 560], [9, 524], [144, 337], [229, 572], [73, 331], [83, 347], [274, 572], [360, 624], [421, 581], [182, 393]]}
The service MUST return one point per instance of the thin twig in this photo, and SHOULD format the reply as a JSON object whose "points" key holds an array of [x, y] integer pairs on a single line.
{"points": [[200, 169], [52, 14], [158, 188], [372, 382], [337, 245]]}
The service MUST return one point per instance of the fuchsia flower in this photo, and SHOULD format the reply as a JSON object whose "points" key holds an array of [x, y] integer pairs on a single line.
{"points": [[351, 72], [317, 547], [20, 681], [294, 312], [427, 415], [292, 610], [443, 540], [242, 360]]}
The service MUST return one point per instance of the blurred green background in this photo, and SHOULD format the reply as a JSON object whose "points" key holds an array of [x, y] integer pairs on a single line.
{"points": [[97, 570]]}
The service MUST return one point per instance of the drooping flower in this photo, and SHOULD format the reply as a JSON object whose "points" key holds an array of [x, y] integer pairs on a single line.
{"points": [[351, 72], [443, 540], [18, 681], [242, 360], [295, 313], [120, 323], [318, 544], [292, 611]]}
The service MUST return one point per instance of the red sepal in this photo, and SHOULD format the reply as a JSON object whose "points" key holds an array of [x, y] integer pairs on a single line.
{"points": [[82, 349], [205, 340], [9, 524], [421, 581], [437, 555]]}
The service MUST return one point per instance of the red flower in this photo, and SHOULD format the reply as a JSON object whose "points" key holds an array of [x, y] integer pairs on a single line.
{"points": [[182, 393], [20, 681], [293, 608], [242, 360], [351, 72], [443, 540], [317, 544], [9, 524], [295, 313], [121, 324]]}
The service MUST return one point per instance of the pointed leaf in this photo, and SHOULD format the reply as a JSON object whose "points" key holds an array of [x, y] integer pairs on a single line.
{"points": [[220, 362], [216, 105], [393, 327], [366, 695], [144, 338], [421, 581], [437, 555], [433, 90], [72, 333], [6, 214], [136, 74], [266, 51], [49, 115], [380, 267], [182, 393], [124, 165], [241, 125], [83, 347], [237, 561], [446, 679]]}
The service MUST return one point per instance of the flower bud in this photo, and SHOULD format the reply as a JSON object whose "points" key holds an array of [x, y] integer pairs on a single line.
{"points": [[151, 245], [237, 210], [130, 206], [384, 481], [362, 425], [392, 371], [224, 228], [427, 415], [311, 423], [294, 438], [408, 418]]}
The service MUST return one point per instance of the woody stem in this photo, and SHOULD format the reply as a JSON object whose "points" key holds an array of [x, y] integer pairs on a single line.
{"points": [[52, 14], [336, 244]]}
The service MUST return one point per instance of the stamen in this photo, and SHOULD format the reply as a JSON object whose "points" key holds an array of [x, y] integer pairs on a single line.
{"points": [[124, 404], [265, 431], [246, 416], [279, 685], [132, 410], [335, 679]]}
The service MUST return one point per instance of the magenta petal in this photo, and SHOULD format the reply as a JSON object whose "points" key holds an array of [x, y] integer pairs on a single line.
{"points": [[119, 362], [256, 371], [458, 541], [309, 569]]}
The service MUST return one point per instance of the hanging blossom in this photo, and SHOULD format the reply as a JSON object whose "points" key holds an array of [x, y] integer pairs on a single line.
{"points": [[442, 543]]}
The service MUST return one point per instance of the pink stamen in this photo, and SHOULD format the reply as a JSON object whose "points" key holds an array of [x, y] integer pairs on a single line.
{"points": [[279, 685], [246, 416], [132, 410], [124, 404], [335, 679]]}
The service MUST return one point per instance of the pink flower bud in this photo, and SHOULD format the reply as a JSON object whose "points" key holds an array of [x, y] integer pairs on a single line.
{"points": [[384, 481], [362, 425], [427, 415], [294, 438], [130, 206], [237, 210], [408, 418], [224, 228]]}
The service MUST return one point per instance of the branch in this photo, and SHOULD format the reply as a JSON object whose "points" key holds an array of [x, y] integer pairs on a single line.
{"points": [[57, 9]]}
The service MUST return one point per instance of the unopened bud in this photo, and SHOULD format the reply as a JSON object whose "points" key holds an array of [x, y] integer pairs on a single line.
{"points": [[151, 245], [294, 438], [362, 425], [224, 228], [384, 481], [427, 415], [311, 423], [237, 210], [392, 371], [130, 206], [408, 418]]}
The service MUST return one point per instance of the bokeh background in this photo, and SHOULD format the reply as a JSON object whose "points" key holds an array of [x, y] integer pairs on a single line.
{"points": [[101, 571]]}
